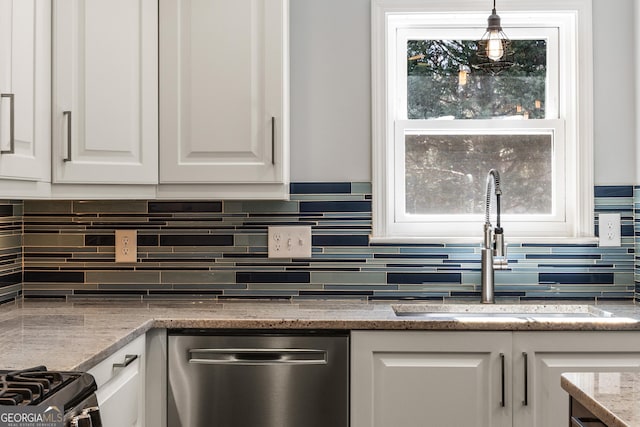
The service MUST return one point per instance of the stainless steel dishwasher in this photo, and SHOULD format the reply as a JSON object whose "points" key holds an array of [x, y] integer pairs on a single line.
{"points": [[258, 379]]}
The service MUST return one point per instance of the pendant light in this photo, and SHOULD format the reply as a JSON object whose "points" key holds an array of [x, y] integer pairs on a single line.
{"points": [[494, 48], [494, 41]]}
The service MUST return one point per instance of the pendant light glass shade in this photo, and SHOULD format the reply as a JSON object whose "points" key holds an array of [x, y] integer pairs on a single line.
{"points": [[494, 41]]}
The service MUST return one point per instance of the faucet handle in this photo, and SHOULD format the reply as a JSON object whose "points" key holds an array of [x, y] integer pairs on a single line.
{"points": [[499, 247], [500, 261]]}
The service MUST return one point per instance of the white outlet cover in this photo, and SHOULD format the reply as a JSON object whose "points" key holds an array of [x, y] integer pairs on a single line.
{"points": [[609, 229], [289, 241]]}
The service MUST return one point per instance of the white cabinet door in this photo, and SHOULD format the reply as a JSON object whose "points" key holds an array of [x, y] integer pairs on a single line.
{"points": [[105, 91], [549, 354], [224, 91], [25, 89], [121, 386], [408, 379]]}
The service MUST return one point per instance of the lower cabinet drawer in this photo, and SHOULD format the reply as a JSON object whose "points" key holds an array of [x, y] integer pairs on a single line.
{"points": [[119, 399], [120, 380]]}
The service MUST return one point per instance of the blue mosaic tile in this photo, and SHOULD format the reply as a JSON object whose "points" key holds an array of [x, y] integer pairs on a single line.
{"points": [[414, 265], [559, 245], [437, 249], [411, 256], [418, 296], [564, 266], [184, 207], [196, 240], [563, 256], [320, 188], [273, 277], [339, 240], [54, 276], [613, 191], [404, 278], [331, 206], [10, 279], [576, 278]]}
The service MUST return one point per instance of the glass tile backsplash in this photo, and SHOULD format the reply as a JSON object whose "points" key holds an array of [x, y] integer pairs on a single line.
{"points": [[218, 249]]}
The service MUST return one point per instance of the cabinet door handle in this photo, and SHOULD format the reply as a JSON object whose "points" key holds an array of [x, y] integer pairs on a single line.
{"points": [[68, 116], [525, 402], [502, 385], [273, 140], [12, 139], [128, 360]]}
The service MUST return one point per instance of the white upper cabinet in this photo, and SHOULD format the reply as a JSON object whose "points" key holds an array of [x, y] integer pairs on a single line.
{"points": [[224, 91], [25, 89], [105, 91]]}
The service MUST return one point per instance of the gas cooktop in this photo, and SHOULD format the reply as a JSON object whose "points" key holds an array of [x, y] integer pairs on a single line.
{"points": [[37, 385]]}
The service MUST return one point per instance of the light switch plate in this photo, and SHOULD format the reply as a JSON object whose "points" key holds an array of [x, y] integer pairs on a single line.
{"points": [[126, 246], [290, 241], [609, 229]]}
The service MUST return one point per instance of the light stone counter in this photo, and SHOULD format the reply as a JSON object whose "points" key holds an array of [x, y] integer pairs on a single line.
{"points": [[613, 397], [77, 335]]}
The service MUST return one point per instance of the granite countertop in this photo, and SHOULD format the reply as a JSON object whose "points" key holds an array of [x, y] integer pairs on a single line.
{"points": [[79, 334], [613, 397]]}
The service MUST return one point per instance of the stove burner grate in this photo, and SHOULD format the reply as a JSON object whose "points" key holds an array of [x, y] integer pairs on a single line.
{"points": [[31, 386]]}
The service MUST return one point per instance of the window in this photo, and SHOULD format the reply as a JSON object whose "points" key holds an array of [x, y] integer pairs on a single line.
{"points": [[442, 121]]}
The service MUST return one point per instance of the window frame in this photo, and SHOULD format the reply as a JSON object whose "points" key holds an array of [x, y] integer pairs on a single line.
{"points": [[573, 110]]}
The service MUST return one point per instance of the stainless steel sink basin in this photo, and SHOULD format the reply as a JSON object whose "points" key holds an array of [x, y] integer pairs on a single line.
{"points": [[521, 312], [514, 315]]}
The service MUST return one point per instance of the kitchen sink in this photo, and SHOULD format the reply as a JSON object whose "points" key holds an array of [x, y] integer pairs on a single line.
{"points": [[516, 312]]}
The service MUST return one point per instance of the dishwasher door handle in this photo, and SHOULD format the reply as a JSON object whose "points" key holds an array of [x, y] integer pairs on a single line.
{"points": [[257, 356]]}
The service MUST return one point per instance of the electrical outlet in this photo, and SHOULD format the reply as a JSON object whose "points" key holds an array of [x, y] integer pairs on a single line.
{"points": [[609, 229], [126, 245], [290, 241]]}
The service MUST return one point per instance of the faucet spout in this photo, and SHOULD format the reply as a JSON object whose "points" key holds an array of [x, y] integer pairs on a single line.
{"points": [[494, 249]]}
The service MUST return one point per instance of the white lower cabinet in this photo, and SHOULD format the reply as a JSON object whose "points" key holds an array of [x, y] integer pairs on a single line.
{"points": [[121, 386], [549, 354], [456, 378], [408, 379]]}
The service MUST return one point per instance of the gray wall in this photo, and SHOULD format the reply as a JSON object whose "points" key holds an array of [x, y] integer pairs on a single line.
{"points": [[331, 91], [614, 92]]}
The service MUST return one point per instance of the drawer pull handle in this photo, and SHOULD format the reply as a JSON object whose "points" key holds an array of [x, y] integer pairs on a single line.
{"points": [[128, 360], [503, 402], [12, 138], [525, 402]]}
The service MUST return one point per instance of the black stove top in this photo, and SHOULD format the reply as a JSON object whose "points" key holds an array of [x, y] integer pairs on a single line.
{"points": [[37, 385]]}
